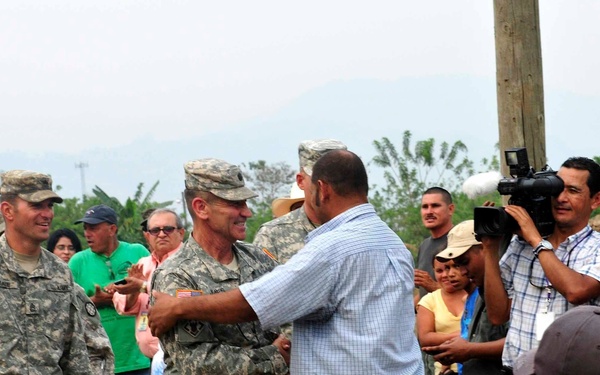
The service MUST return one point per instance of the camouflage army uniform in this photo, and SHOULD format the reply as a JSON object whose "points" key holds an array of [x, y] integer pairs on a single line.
{"points": [[284, 236], [40, 326], [195, 347], [102, 358]]}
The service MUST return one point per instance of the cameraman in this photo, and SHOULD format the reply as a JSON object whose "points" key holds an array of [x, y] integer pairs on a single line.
{"points": [[539, 279]]}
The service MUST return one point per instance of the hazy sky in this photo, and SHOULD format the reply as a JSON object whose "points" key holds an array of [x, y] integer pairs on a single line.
{"points": [[76, 73]]}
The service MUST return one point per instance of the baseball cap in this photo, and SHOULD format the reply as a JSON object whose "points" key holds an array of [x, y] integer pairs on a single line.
{"points": [[310, 151], [30, 186], [460, 239], [282, 206], [218, 177], [99, 214], [570, 345]]}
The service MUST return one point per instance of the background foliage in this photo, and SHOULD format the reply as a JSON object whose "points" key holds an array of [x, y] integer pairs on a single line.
{"points": [[408, 168]]}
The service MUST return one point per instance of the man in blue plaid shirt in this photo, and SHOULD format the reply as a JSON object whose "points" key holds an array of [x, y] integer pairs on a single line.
{"points": [[538, 279]]}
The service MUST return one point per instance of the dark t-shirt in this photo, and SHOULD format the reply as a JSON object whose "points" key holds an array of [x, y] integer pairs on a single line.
{"points": [[482, 330], [427, 250]]}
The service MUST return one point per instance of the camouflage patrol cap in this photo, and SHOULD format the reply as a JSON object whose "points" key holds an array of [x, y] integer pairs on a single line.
{"points": [[30, 186], [310, 151], [218, 177]]}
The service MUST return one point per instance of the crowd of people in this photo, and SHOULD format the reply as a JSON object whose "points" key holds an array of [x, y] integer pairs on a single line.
{"points": [[325, 288]]}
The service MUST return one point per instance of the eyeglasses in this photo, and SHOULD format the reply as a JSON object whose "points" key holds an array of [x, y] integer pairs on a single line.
{"points": [[166, 230]]}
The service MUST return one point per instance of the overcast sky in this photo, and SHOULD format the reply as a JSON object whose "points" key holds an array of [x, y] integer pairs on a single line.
{"points": [[81, 74]]}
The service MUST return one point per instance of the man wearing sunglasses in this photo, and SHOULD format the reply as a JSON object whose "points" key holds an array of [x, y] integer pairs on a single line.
{"points": [[213, 260], [164, 234], [105, 261]]}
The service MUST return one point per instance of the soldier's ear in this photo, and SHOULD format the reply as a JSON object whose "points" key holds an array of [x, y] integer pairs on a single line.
{"points": [[7, 210], [200, 207], [303, 181]]}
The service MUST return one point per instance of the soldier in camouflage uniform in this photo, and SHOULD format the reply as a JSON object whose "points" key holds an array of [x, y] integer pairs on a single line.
{"points": [[214, 260], [41, 327], [284, 236], [102, 358]]}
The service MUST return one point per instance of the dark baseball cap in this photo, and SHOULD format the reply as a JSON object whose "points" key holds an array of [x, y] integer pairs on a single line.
{"points": [[570, 346], [99, 214]]}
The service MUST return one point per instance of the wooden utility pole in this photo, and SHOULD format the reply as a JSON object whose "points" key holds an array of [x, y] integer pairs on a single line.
{"points": [[520, 88]]}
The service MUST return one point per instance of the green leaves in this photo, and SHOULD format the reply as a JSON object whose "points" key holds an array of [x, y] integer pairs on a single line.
{"points": [[411, 170], [129, 212]]}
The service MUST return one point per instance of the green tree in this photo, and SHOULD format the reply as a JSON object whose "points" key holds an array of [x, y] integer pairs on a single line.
{"points": [[269, 181], [408, 172], [130, 212], [411, 170]]}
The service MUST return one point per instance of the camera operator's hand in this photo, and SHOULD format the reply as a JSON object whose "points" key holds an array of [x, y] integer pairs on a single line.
{"points": [[528, 230], [491, 243], [488, 204]]}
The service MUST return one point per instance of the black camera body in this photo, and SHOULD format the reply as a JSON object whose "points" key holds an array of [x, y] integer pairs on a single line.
{"points": [[529, 189]]}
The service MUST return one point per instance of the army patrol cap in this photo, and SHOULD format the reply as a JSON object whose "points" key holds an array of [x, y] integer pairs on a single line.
{"points": [[310, 151], [30, 186], [218, 177]]}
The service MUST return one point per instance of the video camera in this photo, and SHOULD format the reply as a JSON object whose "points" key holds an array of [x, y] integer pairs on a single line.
{"points": [[528, 189]]}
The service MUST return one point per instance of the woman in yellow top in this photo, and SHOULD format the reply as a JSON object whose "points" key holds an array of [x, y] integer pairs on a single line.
{"points": [[439, 312]]}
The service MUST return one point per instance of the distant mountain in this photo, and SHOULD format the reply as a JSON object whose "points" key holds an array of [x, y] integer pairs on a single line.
{"points": [[355, 112]]}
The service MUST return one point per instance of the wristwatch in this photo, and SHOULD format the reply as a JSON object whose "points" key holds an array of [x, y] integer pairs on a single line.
{"points": [[542, 246], [144, 289]]}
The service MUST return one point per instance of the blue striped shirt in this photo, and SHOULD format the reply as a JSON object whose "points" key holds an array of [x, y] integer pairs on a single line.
{"points": [[349, 294], [520, 269]]}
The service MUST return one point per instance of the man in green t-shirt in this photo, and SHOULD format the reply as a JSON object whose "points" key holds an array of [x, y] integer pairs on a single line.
{"points": [[105, 261]]}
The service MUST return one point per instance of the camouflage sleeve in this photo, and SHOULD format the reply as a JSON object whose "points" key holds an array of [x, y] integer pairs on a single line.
{"points": [[194, 348], [102, 358], [75, 359]]}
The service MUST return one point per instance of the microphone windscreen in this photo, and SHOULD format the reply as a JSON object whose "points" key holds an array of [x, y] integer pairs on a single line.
{"points": [[481, 184]]}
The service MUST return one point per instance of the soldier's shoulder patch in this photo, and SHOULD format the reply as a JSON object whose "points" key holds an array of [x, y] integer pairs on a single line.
{"points": [[90, 309]]}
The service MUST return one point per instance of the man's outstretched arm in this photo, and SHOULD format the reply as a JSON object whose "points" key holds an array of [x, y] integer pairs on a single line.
{"points": [[225, 308]]}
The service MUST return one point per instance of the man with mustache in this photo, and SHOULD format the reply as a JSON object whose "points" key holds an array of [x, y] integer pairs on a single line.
{"points": [[436, 213], [539, 278]]}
